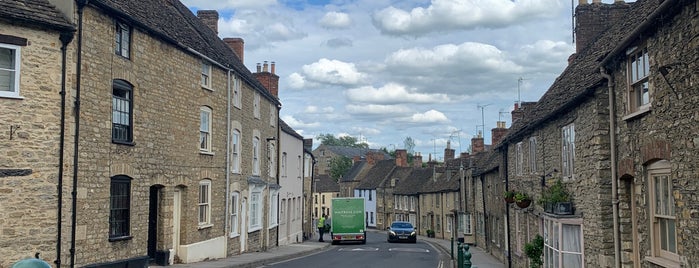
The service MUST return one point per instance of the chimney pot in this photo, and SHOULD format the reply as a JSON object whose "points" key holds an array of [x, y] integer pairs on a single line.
{"points": [[264, 67], [259, 67], [272, 66]]}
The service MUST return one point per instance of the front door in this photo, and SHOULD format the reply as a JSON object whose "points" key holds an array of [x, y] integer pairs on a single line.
{"points": [[153, 220]]}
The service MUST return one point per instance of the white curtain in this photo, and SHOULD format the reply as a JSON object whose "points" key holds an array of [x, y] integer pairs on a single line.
{"points": [[571, 246]]}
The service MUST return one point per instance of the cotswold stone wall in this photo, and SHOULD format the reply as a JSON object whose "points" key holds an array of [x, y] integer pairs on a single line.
{"points": [[667, 132], [590, 185], [29, 150]]}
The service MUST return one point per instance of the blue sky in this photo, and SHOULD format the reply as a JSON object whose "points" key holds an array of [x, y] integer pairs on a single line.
{"points": [[383, 70]]}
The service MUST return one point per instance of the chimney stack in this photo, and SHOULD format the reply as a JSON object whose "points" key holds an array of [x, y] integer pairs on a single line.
{"points": [[209, 18], [448, 152], [308, 144], [401, 158], [237, 45], [268, 79], [591, 20], [477, 144], [498, 132], [417, 160]]}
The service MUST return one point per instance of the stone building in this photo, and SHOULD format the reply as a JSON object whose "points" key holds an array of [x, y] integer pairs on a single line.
{"points": [[325, 189], [35, 60], [149, 186], [325, 153]]}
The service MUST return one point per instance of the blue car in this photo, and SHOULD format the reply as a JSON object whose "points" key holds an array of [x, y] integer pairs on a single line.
{"points": [[402, 231]]}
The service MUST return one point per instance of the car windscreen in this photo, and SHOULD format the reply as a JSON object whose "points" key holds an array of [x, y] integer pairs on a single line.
{"points": [[401, 225]]}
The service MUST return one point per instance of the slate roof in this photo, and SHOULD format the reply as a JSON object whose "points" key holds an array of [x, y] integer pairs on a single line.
{"points": [[485, 162], [288, 130], [174, 23], [443, 183], [357, 171], [582, 76], [399, 173], [414, 182], [325, 184], [34, 13], [377, 174]]}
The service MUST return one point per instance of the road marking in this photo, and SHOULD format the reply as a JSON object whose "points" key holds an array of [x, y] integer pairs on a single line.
{"points": [[422, 250], [358, 249]]}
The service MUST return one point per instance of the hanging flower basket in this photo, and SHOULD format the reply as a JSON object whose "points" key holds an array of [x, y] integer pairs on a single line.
{"points": [[509, 196], [522, 200]]}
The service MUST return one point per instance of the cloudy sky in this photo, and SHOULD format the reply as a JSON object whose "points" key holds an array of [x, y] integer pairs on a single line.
{"points": [[384, 70]]}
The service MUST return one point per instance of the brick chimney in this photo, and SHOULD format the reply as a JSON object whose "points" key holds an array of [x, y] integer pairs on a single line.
{"points": [[498, 132], [477, 144], [448, 152], [401, 158], [464, 155], [373, 157], [308, 144], [237, 45], [593, 19], [417, 160], [209, 18], [268, 78]]}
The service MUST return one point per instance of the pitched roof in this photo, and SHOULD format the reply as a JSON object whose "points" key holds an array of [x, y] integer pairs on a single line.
{"points": [[35, 13], [446, 181], [325, 183], [356, 172], [288, 130], [173, 22], [377, 174], [413, 183], [582, 76], [485, 162], [399, 173]]}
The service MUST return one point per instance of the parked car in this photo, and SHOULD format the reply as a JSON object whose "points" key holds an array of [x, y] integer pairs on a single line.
{"points": [[401, 231]]}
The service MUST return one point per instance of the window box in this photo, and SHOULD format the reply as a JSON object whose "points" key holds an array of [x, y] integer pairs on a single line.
{"points": [[563, 208]]}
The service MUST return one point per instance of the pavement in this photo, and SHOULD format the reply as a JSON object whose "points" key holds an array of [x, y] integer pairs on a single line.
{"points": [[479, 258]]}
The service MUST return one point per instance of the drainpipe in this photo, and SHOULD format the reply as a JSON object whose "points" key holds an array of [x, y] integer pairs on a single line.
{"points": [[485, 215], [66, 38], [612, 140], [226, 224], [507, 207], [76, 138]]}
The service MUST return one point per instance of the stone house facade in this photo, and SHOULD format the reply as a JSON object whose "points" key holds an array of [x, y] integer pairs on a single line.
{"points": [[34, 41], [150, 187]]}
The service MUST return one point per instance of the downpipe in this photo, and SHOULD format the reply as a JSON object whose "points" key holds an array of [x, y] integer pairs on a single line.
{"points": [[613, 165]]}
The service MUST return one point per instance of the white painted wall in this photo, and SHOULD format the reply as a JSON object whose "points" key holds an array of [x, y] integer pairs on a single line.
{"points": [[369, 205], [291, 192], [210, 249]]}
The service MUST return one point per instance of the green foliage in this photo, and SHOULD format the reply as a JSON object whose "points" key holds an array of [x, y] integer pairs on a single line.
{"points": [[519, 197], [348, 141], [555, 193], [534, 251], [339, 165], [509, 194]]}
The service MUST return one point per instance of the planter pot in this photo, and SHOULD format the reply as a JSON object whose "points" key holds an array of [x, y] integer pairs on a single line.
{"points": [[548, 207], [524, 203], [509, 200], [563, 208]]}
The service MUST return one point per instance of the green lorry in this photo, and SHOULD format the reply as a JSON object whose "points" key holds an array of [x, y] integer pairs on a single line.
{"points": [[347, 221]]}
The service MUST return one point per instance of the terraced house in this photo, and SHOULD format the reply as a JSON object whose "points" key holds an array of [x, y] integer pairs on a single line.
{"points": [[170, 143], [613, 134]]}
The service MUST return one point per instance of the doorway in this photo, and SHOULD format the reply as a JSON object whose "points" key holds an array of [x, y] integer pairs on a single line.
{"points": [[153, 208]]}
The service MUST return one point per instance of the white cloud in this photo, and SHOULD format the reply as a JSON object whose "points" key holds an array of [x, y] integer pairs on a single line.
{"points": [[392, 93], [312, 109], [296, 81], [469, 55], [375, 109], [336, 20], [444, 15], [366, 131], [333, 72], [339, 42], [431, 116], [260, 27], [298, 124]]}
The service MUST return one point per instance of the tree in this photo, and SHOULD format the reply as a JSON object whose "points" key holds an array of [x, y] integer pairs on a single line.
{"points": [[339, 165], [409, 144], [348, 141]]}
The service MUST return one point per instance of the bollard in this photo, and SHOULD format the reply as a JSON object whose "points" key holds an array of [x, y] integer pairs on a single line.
{"points": [[460, 255], [467, 257], [452, 248]]}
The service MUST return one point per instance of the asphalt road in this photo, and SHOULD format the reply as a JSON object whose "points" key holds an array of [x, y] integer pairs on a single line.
{"points": [[375, 253]]}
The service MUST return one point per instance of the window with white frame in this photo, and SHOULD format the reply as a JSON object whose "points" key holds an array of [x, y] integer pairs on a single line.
{"points": [[204, 203], [122, 111], [123, 39], [205, 129], [271, 159], [532, 155], [412, 203], [273, 207], [235, 151], [205, 74], [272, 115], [283, 168], [256, 105], [568, 150], [307, 165], [519, 158], [9, 70], [638, 73], [563, 243], [235, 198], [518, 231], [255, 208], [466, 221], [663, 211], [449, 221], [236, 92], [255, 156], [283, 211]]}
